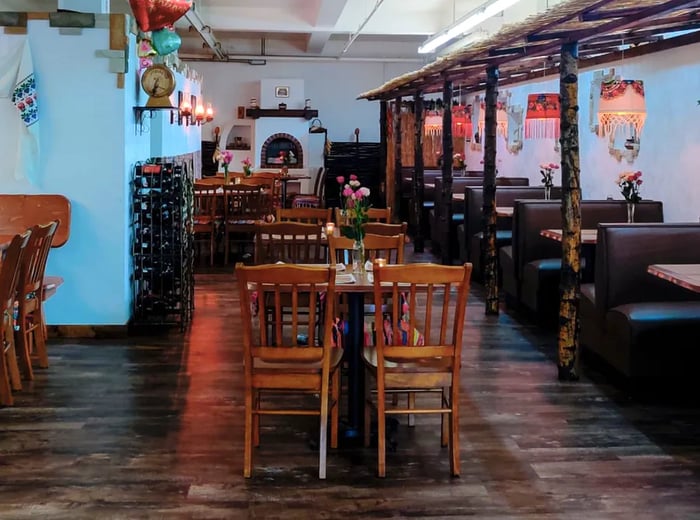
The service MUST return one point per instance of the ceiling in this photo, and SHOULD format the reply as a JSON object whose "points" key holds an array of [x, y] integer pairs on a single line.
{"points": [[385, 30], [244, 30]]}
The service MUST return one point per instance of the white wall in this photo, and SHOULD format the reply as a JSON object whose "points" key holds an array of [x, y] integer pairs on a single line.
{"points": [[670, 140]]}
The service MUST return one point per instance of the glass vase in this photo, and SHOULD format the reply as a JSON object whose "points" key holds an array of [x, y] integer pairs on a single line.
{"points": [[358, 256], [630, 211], [547, 192], [225, 174]]}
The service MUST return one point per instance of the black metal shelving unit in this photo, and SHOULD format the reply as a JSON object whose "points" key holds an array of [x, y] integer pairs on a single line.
{"points": [[162, 249], [361, 159]]}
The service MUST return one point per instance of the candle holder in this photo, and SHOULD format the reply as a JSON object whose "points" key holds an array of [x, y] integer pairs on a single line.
{"points": [[330, 229], [381, 262]]}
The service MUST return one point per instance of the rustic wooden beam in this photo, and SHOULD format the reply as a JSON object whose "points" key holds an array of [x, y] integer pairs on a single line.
{"points": [[488, 218], [570, 285], [418, 186], [445, 195], [396, 130], [389, 176]]}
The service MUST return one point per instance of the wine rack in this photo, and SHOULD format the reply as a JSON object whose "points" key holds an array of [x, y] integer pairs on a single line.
{"points": [[162, 249]]}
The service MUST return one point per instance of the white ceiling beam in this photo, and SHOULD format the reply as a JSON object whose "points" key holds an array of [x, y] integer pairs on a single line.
{"points": [[327, 16]]}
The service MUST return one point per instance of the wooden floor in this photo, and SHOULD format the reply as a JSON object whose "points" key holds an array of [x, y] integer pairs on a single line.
{"points": [[153, 428]]}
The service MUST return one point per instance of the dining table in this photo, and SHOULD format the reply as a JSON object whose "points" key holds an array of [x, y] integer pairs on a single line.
{"points": [[589, 239], [683, 275]]}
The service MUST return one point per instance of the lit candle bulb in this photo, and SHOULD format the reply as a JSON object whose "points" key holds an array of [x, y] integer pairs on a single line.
{"points": [[330, 229], [209, 114], [199, 113], [381, 262]]}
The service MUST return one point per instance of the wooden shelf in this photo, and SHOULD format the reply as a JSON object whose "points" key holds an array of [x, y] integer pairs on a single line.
{"points": [[256, 113]]}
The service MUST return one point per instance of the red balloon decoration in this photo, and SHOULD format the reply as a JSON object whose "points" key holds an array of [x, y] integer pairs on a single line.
{"points": [[152, 15]]}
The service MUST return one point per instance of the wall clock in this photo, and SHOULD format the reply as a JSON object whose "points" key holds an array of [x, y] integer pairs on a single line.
{"points": [[159, 82]]}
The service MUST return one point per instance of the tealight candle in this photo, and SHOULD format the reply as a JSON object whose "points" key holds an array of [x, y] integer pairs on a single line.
{"points": [[381, 262], [330, 229]]}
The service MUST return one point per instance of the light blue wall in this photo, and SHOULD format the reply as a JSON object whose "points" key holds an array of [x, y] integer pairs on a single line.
{"points": [[89, 147]]}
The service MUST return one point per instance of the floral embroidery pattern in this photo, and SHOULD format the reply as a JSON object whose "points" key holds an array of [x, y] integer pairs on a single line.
{"points": [[24, 98]]}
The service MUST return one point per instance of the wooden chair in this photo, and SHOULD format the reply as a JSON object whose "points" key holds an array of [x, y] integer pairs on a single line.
{"points": [[30, 338], [390, 247], [272, 182], [204, 216], [289, 242], [292, 359], [380, 228], [318, 216], [9, 280], [244, 207], [315, 199], [373, 215], [418, 350]]}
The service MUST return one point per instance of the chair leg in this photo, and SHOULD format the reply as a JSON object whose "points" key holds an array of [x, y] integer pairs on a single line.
{"points": [[5, 391], [226, 247], [411, 404], [22, 343], [454, 433], [444, 421], [381, 432], [248, 440], [256, 419], [335, 403], [323, 430], [11, 361], [40, 345]]}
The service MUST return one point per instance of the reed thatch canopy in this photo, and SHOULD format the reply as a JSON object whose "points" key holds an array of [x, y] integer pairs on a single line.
{"points": [[530, 49]]}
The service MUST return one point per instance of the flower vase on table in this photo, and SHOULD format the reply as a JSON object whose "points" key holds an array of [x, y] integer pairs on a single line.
{"points": [[358, 256], [225, 173], [547, 171], [354, 200], [247, 167], [224, 157], [629, 183]]}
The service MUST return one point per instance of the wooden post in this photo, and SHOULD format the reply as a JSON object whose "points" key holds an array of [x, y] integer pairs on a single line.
{"points": [[397, 139], [488, 218], [445, 215], [418, 189], [389, 176], [570, 285]]}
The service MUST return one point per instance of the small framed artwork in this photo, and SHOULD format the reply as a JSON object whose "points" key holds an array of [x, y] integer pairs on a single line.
{"points": [[241, 112], [281, 92]]}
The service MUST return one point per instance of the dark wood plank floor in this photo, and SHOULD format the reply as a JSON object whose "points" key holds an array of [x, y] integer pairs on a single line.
{"points": [[152, 427]]}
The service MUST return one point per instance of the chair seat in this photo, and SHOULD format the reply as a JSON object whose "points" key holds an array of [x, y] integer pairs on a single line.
{"points": [[369, 356], [305, 367]]}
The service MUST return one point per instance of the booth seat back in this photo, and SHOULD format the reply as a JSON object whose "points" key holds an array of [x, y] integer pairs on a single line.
{"points": [[623, 253], [505, 196], [532, 216]]}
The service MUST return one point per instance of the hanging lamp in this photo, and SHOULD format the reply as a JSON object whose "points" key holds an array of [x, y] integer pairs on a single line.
{"points": [[461, 123], [501, 118], [542, 116], [433, 123], [622, 108]]}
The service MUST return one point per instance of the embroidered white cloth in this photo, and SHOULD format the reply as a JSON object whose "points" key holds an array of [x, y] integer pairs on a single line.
{"points": [[17, 85]]}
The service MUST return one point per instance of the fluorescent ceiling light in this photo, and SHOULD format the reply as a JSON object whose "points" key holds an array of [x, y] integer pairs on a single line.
{"points": [[468, 21]]}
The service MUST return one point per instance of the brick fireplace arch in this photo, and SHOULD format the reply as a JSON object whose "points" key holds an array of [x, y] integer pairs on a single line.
{"points": [[269, 152]]}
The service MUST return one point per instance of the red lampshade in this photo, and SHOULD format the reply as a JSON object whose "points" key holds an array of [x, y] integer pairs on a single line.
{"points": [[542, 116]]}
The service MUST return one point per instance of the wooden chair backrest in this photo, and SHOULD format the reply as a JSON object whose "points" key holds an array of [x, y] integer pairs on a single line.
{"points": [[33, 265], [289, 242], [318, 216], [277, 338], [390, 247], [373, 215], [204, 203], [415, 289], [19, 212], [245, 203], [10, 267], [380, 228]]}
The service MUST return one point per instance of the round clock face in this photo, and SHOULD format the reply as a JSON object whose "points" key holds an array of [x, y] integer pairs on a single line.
{"points": [[158, 81]]}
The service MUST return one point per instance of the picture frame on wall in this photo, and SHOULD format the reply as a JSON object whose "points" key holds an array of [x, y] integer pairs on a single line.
{"points": [[281, 92]]}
